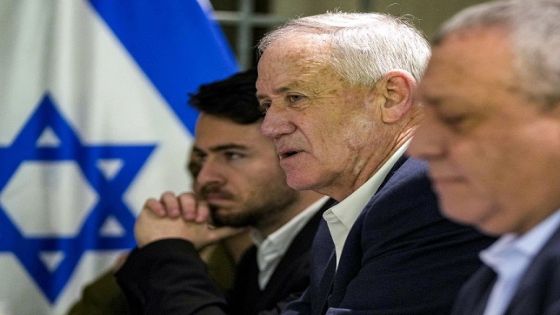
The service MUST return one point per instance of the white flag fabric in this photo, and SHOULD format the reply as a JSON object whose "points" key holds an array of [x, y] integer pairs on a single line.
{"points": [[93, 120]]}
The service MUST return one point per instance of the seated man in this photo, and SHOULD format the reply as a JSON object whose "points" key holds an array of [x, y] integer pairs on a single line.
{"points": [[492, 139], [338, 91], [239, 183]]}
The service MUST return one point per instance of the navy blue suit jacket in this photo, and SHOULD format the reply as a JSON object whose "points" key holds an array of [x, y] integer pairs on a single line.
{"points": [[401, 256], [538, 292]]}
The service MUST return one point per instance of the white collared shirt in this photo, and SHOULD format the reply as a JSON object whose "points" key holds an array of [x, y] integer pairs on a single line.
{"points": [[510, 257], [342, 216], [271, 249]]}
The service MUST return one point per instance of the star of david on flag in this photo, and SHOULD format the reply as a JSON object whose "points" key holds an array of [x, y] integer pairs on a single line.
{"points": [[94, 121]]}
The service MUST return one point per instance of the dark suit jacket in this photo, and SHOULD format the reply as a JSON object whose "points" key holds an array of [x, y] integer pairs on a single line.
{"points": [[289, 280], [103, 296], [401, 256], [168, 277], [538, 292]]}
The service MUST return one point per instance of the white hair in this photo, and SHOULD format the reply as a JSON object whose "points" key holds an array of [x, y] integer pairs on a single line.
{"points": [[534, 30], [365, 46]]}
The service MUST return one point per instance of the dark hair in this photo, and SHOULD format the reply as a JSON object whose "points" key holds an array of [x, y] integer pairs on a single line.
{"points": [[233, 98]]}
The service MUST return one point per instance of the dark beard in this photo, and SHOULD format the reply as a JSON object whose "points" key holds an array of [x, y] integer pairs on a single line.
{"points": [[234, 220], [256, 213]]}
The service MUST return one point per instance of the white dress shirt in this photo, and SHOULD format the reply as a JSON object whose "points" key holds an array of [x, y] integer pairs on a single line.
{"points": [[271, 249], [510, 257], [342, 216]]}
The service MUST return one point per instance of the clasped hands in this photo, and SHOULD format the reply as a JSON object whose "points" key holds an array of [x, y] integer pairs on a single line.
{"points": [[178, 216]]}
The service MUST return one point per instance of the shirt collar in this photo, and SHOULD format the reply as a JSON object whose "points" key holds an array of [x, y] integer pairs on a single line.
{"points": [[527, 245], [271, 249], [533, 241], [348, 210], [283, 236], [342, 216]]}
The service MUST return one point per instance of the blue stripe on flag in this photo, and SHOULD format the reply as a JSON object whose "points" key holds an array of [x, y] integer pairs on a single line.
{"points": [[174, 43]]}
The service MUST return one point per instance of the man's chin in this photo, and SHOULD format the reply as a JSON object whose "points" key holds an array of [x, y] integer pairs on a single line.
{"points": [[228, 219], [221, 222], [297, 182]]}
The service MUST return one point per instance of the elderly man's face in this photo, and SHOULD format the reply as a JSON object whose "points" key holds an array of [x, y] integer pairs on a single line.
{"points": [[236, 171], [493, 152], [322, 127]]}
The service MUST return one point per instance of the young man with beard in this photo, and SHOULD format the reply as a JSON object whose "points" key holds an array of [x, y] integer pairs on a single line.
{"points": [[239, 183]]}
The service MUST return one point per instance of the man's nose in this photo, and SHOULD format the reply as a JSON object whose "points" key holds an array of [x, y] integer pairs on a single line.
{"points": [[276, 123], [210, 173]]}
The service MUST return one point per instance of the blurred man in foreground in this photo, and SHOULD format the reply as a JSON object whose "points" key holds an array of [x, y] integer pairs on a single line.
{"points": [[492, 140]]}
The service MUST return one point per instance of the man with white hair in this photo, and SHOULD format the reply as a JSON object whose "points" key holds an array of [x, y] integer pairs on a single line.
{"points": [[337, 92], [492, 139]]}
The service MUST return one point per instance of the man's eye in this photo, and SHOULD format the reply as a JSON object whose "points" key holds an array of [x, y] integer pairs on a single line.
{"points": [[194, 168], [264, 106], [233, 155], [293, 98], [453, 120], [457, 122]]}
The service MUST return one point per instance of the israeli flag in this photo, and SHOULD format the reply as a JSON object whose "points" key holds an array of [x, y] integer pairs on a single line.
{"points": [[93, 120]]}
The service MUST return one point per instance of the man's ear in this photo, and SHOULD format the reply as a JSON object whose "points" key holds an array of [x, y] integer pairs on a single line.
{"points": [[397, 87]]}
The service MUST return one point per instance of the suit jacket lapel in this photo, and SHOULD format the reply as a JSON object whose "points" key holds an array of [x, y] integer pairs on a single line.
{"points": [[351, 256], [349, 265], [474, 295], [324, 266], [530, 295], [325, 286], [299, 249]]}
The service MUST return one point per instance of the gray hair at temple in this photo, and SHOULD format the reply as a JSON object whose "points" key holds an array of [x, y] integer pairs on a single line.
{"points": [[534, 30], [365, 46]]}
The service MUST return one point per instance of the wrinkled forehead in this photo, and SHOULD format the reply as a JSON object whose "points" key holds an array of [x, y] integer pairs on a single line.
{"points": [[299, 63], [302, 49], [295, 41]]}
